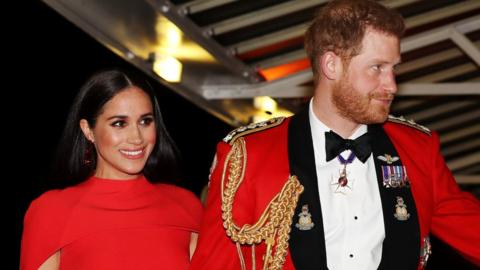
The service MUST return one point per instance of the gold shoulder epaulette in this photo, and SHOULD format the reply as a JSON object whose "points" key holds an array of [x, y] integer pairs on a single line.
{"points": [[252, 128], [410, 123]]}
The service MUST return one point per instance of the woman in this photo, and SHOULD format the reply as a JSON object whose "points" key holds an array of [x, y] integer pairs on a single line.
{"points": [[112, 215]]}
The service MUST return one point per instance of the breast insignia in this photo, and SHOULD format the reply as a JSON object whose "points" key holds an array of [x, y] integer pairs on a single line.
{"points": [[401, 212], [252, 128], [304, 219], [410, 123]]}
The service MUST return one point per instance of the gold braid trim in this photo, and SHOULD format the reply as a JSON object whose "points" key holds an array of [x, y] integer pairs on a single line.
{"points": [[408, 122], [273, 226]]}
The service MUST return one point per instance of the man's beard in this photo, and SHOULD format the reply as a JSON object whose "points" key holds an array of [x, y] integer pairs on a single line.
{"points": [[353, 105]]}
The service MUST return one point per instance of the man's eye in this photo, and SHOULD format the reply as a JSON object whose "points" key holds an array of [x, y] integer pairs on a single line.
{"points": [[395, 68]]}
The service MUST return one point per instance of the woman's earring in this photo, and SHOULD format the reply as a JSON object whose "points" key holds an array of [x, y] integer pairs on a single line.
{"points": [[88, 157]]}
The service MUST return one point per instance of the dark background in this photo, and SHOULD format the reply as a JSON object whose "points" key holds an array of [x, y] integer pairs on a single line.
{"points": [[48, 59]]}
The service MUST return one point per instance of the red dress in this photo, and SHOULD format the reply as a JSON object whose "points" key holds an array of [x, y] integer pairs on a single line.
{"points": [[111, 224]]}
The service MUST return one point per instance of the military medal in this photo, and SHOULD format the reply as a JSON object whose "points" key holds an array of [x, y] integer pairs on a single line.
{"points": [[401, 212], [342, 182], [394, 176], [304, 219], [388, 158]]}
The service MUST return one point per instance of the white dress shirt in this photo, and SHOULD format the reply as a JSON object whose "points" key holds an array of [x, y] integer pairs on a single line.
{"points": [[352, 215]]}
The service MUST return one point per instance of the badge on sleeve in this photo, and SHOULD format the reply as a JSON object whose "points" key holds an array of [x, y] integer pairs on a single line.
{"points": [[305, 222]]}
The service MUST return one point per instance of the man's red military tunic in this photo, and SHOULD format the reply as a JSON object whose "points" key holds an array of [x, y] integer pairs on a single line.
{"points": [[283, 147]]}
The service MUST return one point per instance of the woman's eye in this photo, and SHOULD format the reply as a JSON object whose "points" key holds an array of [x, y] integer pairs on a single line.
{"points": [[118, 124], [147, 121]]}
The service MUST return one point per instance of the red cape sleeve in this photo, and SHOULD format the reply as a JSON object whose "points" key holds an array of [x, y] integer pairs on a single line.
{"points": [[42, 231], [195, 209], [192, 208]]}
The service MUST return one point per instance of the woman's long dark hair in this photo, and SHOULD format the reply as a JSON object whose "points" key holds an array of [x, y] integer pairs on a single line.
{"points": [[76, 157]]}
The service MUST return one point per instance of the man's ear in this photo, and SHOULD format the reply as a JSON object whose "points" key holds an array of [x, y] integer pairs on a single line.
{"points": [[330, 65], [86, 130]]}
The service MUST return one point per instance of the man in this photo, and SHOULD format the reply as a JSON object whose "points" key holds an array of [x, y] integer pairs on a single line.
{"points": [[293, 194]]}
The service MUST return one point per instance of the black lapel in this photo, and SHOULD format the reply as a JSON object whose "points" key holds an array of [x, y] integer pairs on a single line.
{"points": [[401, 247], [307, 247]]}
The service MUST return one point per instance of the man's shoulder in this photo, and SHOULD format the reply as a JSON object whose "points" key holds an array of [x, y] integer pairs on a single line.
{"points": [[254, 128], [403, 123]]}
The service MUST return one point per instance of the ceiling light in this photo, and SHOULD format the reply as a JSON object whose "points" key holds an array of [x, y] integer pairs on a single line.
{"points": [[168, 68]]}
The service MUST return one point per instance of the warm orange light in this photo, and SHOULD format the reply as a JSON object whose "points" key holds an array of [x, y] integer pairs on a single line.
{"points": [[271, 49], [284, 70]]}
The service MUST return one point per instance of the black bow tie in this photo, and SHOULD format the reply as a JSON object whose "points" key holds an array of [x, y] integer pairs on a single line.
{"points": [[334, 145]]}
